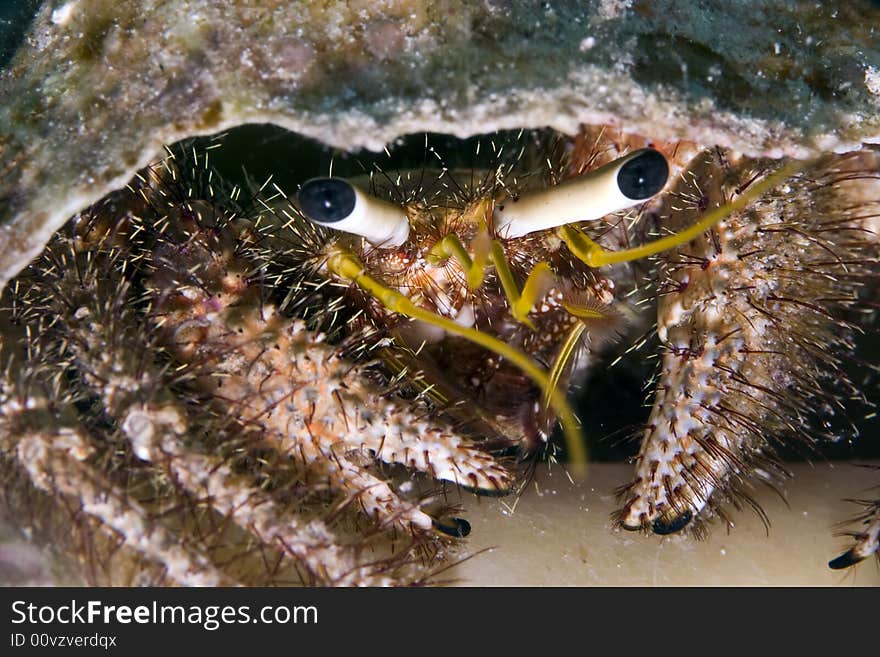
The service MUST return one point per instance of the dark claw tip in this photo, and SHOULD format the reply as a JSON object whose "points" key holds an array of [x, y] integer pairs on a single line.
{"points": [[459, 527], [672, 524], [487, 492], [845, 560]]}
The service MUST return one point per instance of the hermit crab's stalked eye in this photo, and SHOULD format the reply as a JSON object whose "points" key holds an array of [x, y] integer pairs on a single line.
{"points": [[338, 204], [643, 175], [618, 185]]}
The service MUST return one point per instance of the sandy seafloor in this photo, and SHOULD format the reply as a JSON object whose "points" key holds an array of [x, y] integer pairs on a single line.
{"points": [[560, 534]]}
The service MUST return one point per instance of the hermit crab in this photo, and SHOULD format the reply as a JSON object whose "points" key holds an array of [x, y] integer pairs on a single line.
{"points": [[208, 379]]}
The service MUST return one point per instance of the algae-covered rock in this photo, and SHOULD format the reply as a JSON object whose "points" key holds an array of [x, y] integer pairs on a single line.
{"points": [[97, 86]]}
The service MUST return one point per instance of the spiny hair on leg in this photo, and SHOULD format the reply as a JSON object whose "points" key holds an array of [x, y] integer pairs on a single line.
{"points": [[756, 319], [89, 309], [863, 532]]}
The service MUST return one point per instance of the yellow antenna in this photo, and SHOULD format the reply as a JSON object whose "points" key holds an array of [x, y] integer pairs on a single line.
{"points": [[346, 265]]}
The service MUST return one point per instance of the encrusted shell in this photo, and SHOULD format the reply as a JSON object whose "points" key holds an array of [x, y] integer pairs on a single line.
{"points": [[97, 87]]}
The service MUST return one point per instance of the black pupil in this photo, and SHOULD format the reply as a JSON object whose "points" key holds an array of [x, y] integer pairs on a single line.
{"points": [[643, 176], [327, 200]]}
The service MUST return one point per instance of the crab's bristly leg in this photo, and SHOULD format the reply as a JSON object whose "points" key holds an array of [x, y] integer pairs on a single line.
{"points": [[275, 374], [94, 308], [310, 403], [56, 461], [50, 464], [594, 255], [158, 434], [227, 427], [867, 538], [74, 462], [393, 431], [751, 322], [376, 499], [424, 446], [347, 266]]}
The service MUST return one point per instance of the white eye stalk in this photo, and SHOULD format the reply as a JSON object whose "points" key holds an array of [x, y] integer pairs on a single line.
{"points": [[336, 203], [616, 186]]}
